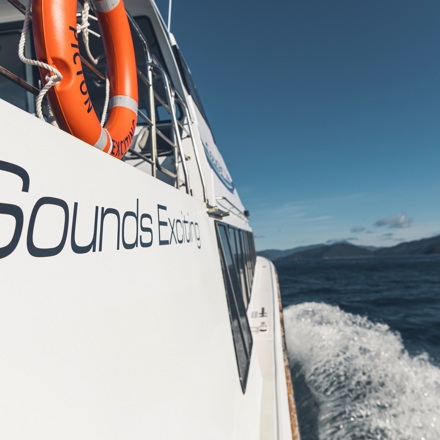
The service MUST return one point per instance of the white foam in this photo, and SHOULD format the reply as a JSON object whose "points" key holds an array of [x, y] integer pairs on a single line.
{"points": [[365, 383]]}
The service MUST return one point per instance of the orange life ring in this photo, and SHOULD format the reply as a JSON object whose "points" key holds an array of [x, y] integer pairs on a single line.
{"points": [[56, 43]]}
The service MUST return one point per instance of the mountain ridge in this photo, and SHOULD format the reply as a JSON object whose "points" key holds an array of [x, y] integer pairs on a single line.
{"points": [[424, 246]]}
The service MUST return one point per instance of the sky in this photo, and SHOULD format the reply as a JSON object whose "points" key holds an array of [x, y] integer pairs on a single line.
{"points": [[327, 113]]}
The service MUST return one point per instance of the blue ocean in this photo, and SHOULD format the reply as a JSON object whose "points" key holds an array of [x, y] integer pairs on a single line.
{"points": [[363, 338]]}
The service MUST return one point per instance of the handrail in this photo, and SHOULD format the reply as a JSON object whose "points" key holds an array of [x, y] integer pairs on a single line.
{"points": [[169, 99], [144, 43], [196, 153], [169, 107], [19, 81], [18, 5], [145, 117], [165, 138], [239, 213]]}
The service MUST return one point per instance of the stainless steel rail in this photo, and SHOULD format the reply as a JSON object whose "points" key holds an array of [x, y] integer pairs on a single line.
{"points": [[232, 209], [173, 100], [171, 103], [196, 152]]}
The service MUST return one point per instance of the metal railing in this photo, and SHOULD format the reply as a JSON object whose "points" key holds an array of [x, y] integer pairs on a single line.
{"points": [[230, 208], [155, 74], [169, 132]]}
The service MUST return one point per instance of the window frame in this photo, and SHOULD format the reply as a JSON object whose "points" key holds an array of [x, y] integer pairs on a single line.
{"points": [[237, 289], [188, 81]]}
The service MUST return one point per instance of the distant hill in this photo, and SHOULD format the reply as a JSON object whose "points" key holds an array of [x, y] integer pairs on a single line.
{"points": [[275, 254], [426, 246], [336, 250]]}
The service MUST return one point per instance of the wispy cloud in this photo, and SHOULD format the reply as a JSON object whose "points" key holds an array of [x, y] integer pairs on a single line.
{"points": [[357, 229], [387, 236], [286, 216], [397, 221]]}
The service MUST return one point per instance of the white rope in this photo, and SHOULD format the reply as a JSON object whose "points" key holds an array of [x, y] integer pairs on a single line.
{"points": [[107, 100], [51, 80], [83, 28], [56, 76]]}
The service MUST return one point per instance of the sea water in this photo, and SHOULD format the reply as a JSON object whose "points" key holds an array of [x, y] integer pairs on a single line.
{"points": [[363, 338]]}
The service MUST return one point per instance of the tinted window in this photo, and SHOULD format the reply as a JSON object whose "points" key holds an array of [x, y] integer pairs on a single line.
{"points": [[237, 292], [153, 43], [241, 258], [188, 82], [10, 91], [242, 350]]}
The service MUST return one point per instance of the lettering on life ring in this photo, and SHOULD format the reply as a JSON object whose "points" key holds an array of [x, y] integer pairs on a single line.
{"points": [[56, 43]]}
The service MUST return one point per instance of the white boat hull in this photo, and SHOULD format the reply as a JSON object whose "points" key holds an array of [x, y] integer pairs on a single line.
{"points": [[130, 338]]}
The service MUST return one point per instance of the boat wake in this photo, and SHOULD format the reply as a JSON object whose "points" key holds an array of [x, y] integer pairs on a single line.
{"points": [[353, 379]]}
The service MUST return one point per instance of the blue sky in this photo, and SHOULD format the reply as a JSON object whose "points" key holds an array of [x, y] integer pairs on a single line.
{"points": [[327, 113]]}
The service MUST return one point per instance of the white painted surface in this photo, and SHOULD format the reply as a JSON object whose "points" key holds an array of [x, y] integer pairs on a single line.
{"points": [[268, 348], [118, 342], [110, 344]]}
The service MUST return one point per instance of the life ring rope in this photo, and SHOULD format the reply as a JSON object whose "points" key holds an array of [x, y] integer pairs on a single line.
{"points": [[56, 44], [52, 79]]}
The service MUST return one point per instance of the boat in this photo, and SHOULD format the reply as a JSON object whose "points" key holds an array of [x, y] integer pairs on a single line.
{"points": [[132, 302]]}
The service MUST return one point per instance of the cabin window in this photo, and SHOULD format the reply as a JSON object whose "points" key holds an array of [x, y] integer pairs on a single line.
{"points": [[153, 44], [251, 256], [234, 239], [241, 264], [188, 82], [96, 86], [237, 292], [162, 113], [9, 91]]}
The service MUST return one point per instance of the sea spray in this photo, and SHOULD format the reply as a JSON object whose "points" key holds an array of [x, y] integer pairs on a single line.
{"points": [[363, 383]]}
